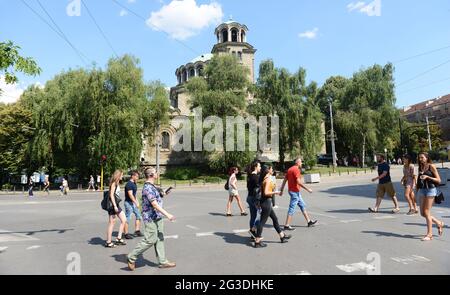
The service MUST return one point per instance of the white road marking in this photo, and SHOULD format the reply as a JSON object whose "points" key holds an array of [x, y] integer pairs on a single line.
{"points": [[33, 247], [359, 266], [410, 259], [2, 249], [171, 237], [440, 212], [8, 236], [240, 231], [384, 217], [303, 273], [192, 227], [45, 202], [320, 214], [351, 220], [204, 234]]}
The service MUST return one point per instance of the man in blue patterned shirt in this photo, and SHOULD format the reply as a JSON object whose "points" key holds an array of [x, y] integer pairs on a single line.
{"points": [[152, 214]]}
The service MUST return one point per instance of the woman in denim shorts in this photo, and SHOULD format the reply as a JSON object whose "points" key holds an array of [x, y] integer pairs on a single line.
{"points": [[427, 183]]}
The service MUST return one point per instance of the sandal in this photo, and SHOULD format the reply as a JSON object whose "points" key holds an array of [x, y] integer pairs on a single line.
{"points": [[110, 245], [229, 214], [373, 210], [260, 245], [244, 214], [396, 210], [441, 228], [427, 238], [120, 242]]}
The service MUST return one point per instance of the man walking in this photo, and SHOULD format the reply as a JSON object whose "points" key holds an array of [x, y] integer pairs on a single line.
{"points": [[153, 213], [384, 185], [294, 179], [132, 206]]}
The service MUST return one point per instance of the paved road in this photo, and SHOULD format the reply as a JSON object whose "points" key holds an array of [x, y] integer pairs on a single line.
{"points": [[36, 236]]}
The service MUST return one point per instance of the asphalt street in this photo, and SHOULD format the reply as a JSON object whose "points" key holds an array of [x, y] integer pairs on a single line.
{"points": [[43, 235]]}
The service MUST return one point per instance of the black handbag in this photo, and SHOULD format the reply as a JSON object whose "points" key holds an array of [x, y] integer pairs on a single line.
{"points": [[439, 198], [106, 203]]}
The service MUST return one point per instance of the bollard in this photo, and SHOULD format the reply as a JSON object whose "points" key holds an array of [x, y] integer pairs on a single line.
{"points": [[339, 172], [175, 184], [356, 171], [348, 172], [190, 182], [329, 173]]}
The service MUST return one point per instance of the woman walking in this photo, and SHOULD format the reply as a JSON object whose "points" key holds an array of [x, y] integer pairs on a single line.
{"points": [[233, 192], [409, 182], [267, 192], [427, 184], [252, 188], [46, 185], [114, 194], [30, 187]]}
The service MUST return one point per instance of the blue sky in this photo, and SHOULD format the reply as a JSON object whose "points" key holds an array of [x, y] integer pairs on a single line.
{"points": [[326, 37]]}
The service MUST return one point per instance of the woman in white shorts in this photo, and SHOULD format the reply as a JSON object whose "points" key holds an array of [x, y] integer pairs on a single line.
{"points": [[233, 192]]}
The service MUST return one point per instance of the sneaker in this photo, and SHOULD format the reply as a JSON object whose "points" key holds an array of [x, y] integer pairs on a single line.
{"points": [[131, 265], [275, 207], [128, 237], [168, 265], [289, 228], [311, 223], [138, 234]]}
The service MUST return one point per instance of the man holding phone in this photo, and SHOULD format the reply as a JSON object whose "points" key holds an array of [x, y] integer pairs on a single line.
{"points": [[132, 206], [152, 213]]}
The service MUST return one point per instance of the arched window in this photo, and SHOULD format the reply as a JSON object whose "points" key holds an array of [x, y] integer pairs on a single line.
{"points": [[243, 36], [174, 101], [191, 73], [179, 78], [165, 141], [184, 76], [224, 35], [240, 55], [234, 35], [200, 71]]}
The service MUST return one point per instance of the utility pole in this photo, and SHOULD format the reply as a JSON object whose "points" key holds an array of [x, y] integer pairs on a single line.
{"points": [[333, 147], [429, 134], [158, 144]]}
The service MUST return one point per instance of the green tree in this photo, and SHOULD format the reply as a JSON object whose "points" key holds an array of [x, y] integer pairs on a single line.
{"points": [[11, 62], [81, 115], [223, 92], [15, 133]]}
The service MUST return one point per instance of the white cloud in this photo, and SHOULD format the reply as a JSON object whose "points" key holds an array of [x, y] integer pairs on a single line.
{"points": [[131, 1], [182, 19], [371, 9], [309, 34], [123, 12], [10, 93]]}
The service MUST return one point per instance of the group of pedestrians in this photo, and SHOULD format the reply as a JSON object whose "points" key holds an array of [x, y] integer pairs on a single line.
{"points": [[424, 185], [46, 188], [261, 187], [151, 214]]}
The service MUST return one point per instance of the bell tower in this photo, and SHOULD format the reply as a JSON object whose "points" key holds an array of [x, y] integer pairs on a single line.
{"points": [[232, 39]]}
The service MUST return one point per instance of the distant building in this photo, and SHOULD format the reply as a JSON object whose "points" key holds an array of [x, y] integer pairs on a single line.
{"points": [[437, 110], [231, 39]]}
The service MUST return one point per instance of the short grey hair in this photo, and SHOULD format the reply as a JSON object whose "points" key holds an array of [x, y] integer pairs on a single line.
{"points": [[150, 172]]}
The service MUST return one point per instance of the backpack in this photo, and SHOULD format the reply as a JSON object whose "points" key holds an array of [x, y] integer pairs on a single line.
{"points": [[227, 185], [106, 203]]}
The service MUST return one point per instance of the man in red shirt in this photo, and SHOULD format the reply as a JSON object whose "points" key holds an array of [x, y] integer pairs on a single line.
{"points": [[294, 179]]}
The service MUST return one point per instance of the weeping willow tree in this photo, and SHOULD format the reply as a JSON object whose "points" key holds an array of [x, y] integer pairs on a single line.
{"points": [[81, 115], [287, 96]]}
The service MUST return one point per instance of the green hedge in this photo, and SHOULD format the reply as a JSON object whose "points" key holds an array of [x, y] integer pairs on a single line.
{"points": [[182, 174]]}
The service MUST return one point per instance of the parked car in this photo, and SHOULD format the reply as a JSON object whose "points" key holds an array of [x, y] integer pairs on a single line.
{"points": [[325, 159]]}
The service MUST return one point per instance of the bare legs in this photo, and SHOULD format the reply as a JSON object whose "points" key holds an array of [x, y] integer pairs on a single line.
{"points": [[411, 199], [111, 222], [230, 200], [425, 211]]}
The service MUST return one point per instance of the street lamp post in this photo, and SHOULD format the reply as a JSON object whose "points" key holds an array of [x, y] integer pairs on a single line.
{"points": [[429, 134], [333, 147]]}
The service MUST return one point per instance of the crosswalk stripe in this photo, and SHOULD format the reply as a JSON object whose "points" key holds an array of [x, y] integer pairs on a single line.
{"points": [[171, 237], [33, 247], [384, 217], [351, 220], [240, 231], [204, 234], [2, 249]]}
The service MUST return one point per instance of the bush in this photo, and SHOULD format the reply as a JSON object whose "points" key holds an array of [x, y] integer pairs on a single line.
{"points": [[182, 173]]}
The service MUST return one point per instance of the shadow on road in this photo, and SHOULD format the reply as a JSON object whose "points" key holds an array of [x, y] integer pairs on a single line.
{"points": [[218, 214], [232, 238], [141, 262], [30, 233], [394, 235], [96, 241], [423, 224]]}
